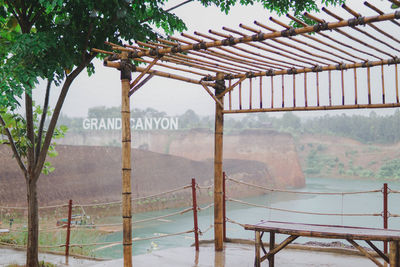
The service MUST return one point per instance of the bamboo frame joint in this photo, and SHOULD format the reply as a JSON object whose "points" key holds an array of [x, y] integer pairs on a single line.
{"points": [[289, 32], [323, 26], [397, 14], [357, 21]]}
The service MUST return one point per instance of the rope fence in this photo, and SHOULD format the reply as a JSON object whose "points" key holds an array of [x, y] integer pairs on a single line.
{"points": [[302, 212], [302, 192]]}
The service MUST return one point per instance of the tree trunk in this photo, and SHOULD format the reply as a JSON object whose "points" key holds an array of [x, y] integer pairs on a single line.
{"points": [[32, 259]]}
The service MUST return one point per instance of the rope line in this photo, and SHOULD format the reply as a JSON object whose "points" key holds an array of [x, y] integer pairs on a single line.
{"points": [[163, 193], [394, 191], [300, 192], [234, 222], [164, 216], [204, 187], [206, 207], [303, 212], [205, 231]]}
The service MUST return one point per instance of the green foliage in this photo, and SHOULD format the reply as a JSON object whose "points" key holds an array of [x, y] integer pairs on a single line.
{"points": [[16, 124], [390, 170]]}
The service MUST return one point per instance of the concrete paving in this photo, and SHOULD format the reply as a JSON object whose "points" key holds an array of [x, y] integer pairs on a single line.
{"points": [[233, 255]]}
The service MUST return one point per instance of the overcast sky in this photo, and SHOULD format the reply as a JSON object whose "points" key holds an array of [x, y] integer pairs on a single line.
{"points": [[173, 97]]}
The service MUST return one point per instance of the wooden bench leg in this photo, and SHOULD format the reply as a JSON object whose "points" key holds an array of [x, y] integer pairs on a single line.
{"points": [[394, 254], [271, 247], [257, 262]]}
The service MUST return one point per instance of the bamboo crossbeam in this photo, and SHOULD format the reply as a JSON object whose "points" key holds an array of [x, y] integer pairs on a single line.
{"points": [[361, 31], [318, 20], [278, 49], [265, 36], [117, 65], [247, 52], [313, 108], [172, 67], [212, 95], [366, 253], [231, 87], [321, 68], [260, 48], [146, 70], [376, 28], [292, 46], [285, 44], [314, 39], [380, 12], [328, 37]]}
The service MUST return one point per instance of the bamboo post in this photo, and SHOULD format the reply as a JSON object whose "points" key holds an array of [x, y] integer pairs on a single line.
{"points": [[258, 240], [126, 76], [355, 87], [271, 247], [305, 89], [342, 75], [218, 157], [240, 95], [317, 80], [230, 95], [261, 105], [294, 90], [385, 213], [272, 91], [251, 92], [68, 231], [394, 254], [369, 84], [397, 83], [330, 87], [383, 84], [283, 90], [224, 206], [196, 226]]}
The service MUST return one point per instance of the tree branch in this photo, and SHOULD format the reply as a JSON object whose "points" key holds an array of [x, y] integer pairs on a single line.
{"points": [[30, 132], [43, 119], [13, 146], [53, 122]]}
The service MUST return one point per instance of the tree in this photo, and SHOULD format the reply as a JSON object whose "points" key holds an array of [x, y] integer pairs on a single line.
{"points": [[52, 40]]}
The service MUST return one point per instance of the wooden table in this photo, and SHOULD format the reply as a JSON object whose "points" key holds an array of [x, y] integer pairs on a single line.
{"points": [[294, 230]]}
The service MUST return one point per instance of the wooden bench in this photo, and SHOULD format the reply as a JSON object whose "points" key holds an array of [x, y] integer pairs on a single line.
{"points": [[294, 230]]}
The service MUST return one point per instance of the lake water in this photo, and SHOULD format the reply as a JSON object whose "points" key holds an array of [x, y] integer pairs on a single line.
{"points": [[362, 203]]}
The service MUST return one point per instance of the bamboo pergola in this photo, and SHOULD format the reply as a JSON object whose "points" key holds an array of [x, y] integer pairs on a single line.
{"points": [[267, 68]]}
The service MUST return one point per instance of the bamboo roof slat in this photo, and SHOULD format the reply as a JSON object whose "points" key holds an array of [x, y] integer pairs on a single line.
{"points": [[237, 58], [278, 49], [308, 15], [248, 52], [380, 12], [265, 49], [327, 11], [284, 44], [215, 54], [314, 39], [297, 41], [265, 36], [376, 28], [328, 37], [207, 63]]}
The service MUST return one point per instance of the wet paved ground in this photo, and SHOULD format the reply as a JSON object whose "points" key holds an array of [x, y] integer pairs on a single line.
{"points": [[234, 255]]}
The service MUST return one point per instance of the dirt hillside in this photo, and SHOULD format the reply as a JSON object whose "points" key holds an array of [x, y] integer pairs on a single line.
{"points": [[92, 174]]}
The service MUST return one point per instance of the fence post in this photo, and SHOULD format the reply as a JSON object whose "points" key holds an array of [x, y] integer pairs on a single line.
{"points": [[385, 213], [196, 227], [224, 203], [68, 231]]}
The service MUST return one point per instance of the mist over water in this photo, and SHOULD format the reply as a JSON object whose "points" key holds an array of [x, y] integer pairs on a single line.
{"points": [[371, 203]]}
